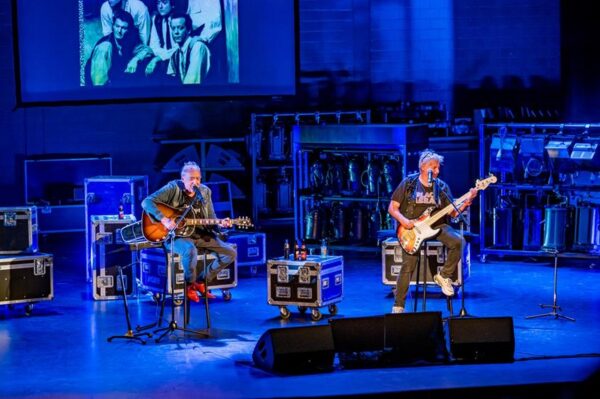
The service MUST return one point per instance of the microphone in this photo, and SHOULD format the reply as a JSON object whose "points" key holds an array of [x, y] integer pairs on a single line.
{"points": [[430, 177], [198, 194]]}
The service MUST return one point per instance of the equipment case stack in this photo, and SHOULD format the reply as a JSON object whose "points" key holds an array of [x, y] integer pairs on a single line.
{"points": [[312, 283], [26, 276], [112, 195], [435, 252], [107, 252]]}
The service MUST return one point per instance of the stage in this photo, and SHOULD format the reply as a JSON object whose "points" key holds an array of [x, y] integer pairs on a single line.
{"points": [[61, 349]]}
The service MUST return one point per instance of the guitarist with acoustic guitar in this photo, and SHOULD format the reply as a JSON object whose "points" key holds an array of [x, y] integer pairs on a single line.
{"points": [[160, 218], [413, 204]]}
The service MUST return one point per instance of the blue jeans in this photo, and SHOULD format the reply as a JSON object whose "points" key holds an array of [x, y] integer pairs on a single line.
{"points": [[187, 249]]}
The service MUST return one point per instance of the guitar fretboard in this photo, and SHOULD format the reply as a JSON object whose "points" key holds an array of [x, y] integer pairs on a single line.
{"points": [[202, 222], [447, 209]]}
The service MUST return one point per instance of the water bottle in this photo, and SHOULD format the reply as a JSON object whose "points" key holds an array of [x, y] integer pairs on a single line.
{"points": [[303, 252], [297, 251], [323, 247], [121, 212], [286, 249]]}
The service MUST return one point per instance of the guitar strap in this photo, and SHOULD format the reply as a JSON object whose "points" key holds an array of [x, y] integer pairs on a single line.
{"points": [[200, 212], [407, 207]]}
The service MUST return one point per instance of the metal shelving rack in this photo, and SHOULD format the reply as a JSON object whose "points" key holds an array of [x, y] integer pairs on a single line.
{"points": [[270, 167], [369, 140], [550, 129]]}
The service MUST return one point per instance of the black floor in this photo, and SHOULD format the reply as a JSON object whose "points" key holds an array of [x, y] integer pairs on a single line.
{"points": [[61, 349]]}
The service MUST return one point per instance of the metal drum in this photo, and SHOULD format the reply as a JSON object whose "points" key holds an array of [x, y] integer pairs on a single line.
{"points": [[357, 223], [338, 221], [502, 234], [587, 228], [314, 223], [132, 233], [555, 229], [532, 234]]}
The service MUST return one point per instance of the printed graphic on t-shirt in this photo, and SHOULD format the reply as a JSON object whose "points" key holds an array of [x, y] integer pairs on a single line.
{"points": [[423, 197]]}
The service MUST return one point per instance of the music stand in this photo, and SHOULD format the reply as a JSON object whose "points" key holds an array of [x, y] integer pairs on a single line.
{"points": [[129, 334], [554, 306]]}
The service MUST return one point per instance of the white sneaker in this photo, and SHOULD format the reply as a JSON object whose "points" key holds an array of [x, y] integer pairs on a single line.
{"points": [[445, 283], [397, 309]]}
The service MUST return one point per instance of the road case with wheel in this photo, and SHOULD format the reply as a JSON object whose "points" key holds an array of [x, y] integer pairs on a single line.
{"points": [[251, 250], [154, 270], [108, 252], [312, 283], [26, 279], [435, 253]]}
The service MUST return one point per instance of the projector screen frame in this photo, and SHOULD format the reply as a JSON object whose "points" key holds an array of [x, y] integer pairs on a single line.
{"points": [[23, 103]]}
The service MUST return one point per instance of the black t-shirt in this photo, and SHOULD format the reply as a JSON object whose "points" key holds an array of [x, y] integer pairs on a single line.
{"points": [[197, 212], [415, 198]]}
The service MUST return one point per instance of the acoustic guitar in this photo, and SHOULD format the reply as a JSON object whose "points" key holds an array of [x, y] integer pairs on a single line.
{"points": [[154, 231], [411, 239]]}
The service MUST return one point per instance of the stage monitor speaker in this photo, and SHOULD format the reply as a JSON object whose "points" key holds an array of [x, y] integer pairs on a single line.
{"points": [[483, 339], [413, 337], [295, 350], [358, 341]]}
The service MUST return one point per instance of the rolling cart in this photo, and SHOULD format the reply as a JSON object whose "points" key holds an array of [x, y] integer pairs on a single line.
{"points": [[308, 284]]}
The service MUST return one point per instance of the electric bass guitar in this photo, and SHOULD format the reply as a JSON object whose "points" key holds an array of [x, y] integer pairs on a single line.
{"points": [[155, 231], [411, 239]]}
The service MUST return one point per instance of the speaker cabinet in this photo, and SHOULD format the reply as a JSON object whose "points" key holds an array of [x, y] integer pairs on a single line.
{"points": [[295, 350], [358, 341], [411, 337], [484, 339]]}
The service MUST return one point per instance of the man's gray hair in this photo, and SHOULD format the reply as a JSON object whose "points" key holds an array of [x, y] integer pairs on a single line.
{"points": [[188, 167], [430, 155]]}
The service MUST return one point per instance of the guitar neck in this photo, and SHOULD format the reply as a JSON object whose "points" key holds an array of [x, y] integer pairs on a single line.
{"points": [[202, 222], [447, 209]]}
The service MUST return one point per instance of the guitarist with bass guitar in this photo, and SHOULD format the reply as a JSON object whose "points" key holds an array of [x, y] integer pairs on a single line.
{"points": [[415, 200], [179, 194]]}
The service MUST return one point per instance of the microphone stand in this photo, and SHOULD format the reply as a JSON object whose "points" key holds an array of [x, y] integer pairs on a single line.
{"points": [[172, 327], [463, 311], [130, 335]]}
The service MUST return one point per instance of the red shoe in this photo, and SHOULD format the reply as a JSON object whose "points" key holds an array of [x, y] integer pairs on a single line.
{"points": [[201, 287], [191, 293]]}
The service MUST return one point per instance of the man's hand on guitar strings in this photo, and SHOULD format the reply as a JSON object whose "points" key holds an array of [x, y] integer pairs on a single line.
{"points": [[168, 223], [226, 223]]}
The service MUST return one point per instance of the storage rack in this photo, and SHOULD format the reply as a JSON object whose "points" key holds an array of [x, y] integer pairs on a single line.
{"points": [[268, 169], [368, 141], [581, 183]]}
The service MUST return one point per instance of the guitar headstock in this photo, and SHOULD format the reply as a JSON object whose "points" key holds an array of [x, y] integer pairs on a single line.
{"points": [[484, 183], [243, 222]]}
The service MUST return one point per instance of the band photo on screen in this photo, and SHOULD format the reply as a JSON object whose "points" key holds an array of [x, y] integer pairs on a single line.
{"points": [[137, 43]]}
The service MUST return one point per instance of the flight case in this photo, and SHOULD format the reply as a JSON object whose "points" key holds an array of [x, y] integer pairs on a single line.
{"points": [[312, 283]]}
